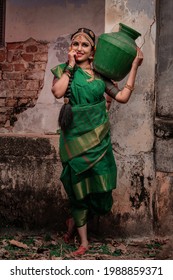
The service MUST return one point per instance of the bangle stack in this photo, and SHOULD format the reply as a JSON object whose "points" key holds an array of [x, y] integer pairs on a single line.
{"points": [[68, 70], [129, 87], [67, 73]]}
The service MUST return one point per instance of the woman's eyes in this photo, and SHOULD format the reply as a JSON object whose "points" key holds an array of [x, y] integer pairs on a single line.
{"points": [[85, 45], [76, 44]]}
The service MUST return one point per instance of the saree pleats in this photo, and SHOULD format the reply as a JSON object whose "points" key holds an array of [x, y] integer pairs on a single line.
{"points": [[89, 169]]}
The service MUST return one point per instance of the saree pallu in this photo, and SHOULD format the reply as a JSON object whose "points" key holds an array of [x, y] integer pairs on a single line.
{"points": [[89, 169]]}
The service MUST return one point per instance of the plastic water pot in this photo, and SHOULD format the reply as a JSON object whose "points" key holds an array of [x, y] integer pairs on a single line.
{"points": [[115, 52]]}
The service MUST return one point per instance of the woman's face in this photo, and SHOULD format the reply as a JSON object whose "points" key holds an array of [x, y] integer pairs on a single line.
{"points": [[82, 47]]}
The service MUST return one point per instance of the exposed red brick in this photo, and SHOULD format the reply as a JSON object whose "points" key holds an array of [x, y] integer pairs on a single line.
{"points": [[22, 70], [10, 93], [2, 55], [3, 119], [41, 57], [36, 66], [7, 124], [25, 93], [3, 110], [6, 67], [12, 46], [7, 85], [17, 56], [41, 82], [12, 75], [11, 102], [27, 84], [32, 94], [27, 57], [32, 85], [19, 67], [31, 48], [2, 102], [10, 55], [14, 55], [23, 101], [34, 75], [40, 66], [43, 48]]}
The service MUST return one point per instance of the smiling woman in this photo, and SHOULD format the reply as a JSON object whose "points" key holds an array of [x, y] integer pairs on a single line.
{"points": [[89, 168]]}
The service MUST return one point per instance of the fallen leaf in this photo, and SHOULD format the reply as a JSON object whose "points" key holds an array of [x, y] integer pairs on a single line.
{"points": [[18, 244], [38, 243], [111, 248], [122, 247], [53, 243]]}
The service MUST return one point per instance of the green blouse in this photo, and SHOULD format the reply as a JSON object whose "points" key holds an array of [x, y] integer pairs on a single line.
{"points": [[83, 91]]}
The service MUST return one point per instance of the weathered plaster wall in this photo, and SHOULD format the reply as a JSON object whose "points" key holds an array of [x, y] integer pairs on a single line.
{"points": [[132, 123], [52, 21], [49, 19]]}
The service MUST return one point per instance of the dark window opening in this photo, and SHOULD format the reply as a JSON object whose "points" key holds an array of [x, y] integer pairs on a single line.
{"points": [[2, 22]]}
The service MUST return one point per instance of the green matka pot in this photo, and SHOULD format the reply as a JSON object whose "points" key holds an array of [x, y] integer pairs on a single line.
{"points": [[115, 52]]}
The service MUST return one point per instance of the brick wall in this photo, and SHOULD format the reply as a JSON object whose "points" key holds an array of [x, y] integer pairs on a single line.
{"points": [[22, 69]]}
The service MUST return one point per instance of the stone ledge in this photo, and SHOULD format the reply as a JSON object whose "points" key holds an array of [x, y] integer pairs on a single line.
{"points": [[31, 193], [27, 145]]}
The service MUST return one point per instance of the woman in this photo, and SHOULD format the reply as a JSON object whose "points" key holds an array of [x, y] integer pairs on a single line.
{"points": [[89, 169]]}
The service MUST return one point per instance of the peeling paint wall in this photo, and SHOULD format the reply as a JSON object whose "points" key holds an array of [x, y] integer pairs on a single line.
{"points": [[132, 123]]}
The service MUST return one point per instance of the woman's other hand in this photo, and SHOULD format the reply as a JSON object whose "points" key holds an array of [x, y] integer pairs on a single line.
{"points": [[138, 59]]}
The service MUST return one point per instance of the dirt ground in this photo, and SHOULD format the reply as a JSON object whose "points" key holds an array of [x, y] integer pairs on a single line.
{"points": [[22, 245]]}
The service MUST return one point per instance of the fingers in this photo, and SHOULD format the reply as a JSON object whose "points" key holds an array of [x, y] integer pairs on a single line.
{"points": [[71, 56], [115, 83], [139, 53], [71, 51], [139, 57]]}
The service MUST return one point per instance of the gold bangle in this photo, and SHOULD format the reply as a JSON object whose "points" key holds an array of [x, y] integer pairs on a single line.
{"points": [[71, 67], [129, 87], [67, 74]]}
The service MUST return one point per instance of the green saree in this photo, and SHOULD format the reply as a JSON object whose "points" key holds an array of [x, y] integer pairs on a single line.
{"points": [[89, 169]]}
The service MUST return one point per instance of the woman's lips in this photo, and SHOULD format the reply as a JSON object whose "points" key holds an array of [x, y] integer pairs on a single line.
{"points": [[79, 54]]}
